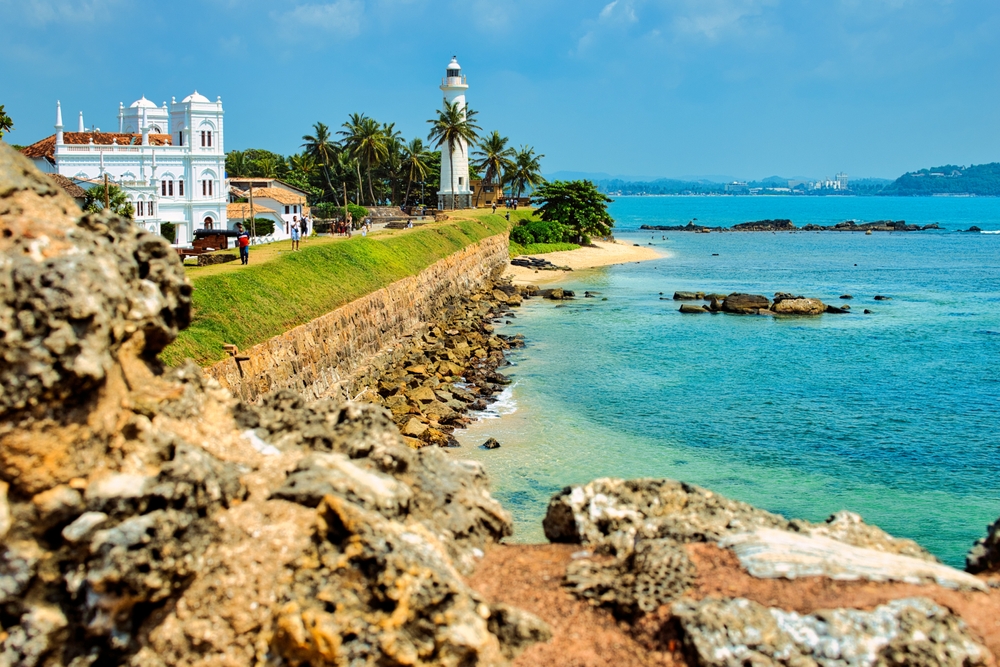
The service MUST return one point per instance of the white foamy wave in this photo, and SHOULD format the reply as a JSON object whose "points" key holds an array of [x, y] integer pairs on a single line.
{"points": [[990, 232], [504, 405]]}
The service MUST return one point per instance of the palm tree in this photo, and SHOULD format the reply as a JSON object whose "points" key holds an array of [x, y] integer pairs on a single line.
{"points": [[494, 161], [302, 163], [266, 167], [347, 167], [120, 204], [527, 172], [415, 158], [237, 164], [364, 139], [322, 148], [453, 127]]}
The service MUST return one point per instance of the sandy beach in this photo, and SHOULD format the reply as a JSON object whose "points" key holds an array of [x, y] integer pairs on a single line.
{"points": [[605, 254]]}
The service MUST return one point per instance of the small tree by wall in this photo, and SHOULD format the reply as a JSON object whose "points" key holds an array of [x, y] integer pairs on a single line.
{"points": [[578, 205]]}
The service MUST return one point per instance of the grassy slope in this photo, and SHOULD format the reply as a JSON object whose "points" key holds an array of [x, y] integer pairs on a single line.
{"points": [[247, 306]]}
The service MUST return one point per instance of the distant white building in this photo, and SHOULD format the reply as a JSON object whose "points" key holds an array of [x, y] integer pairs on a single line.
{"points": [[456, 190], [287, 201], [169, 161]]}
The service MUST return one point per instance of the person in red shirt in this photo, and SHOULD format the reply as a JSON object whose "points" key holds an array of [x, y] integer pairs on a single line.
{"points": [[244, 240]]}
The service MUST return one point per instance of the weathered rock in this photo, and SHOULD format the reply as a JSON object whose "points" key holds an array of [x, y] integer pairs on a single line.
{"points": [[837, 311], [850, 528], [685, 296], [655, 573], [879, 297], [769, 553], [745, 304], [911, 631], [687, 308], [491, 443], [414, 428], [5, 519], [846, 296], [984, 556], [799, 307], [612, 514]]}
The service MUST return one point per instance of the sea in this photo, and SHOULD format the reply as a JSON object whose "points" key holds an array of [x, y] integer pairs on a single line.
{"points": [[893, 415]]}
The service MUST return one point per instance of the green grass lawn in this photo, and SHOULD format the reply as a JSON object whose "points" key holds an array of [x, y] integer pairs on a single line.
{"points": [[246, 305], [539, 248]]}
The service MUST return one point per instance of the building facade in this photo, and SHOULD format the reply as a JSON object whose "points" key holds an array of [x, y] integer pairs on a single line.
{"points": [[456, 191], [169, 161]]}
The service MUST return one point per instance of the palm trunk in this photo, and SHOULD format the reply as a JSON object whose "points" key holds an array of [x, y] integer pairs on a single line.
{"points": [[406, 199], [357, 195], [371, 193]]}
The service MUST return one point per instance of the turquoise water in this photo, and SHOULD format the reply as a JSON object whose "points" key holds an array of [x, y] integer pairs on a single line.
{"points": [[891, 415]]}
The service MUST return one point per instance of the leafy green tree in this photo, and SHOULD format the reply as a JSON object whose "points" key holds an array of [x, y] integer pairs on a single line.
{"points": [[120, 204], [6, 124], [495, 161], [322, 148], [453, 127], [578, 205], [527, 171], [415, 158]]}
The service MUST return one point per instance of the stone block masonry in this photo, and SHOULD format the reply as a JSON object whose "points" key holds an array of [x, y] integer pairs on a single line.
{"points": [[327, 356]]}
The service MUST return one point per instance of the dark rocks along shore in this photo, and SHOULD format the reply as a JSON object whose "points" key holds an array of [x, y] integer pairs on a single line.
{"points": [[739, 303]]}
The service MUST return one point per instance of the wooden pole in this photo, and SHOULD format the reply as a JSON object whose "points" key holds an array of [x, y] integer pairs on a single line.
{"points": [[253, 218], [107, 195]]}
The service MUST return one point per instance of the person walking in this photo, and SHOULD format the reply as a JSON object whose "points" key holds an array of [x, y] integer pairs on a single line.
{"points": [[243, 239], [296, 234]]}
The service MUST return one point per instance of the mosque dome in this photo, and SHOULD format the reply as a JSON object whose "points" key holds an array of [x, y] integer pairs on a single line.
{"points": [[195, 97], [142, 103]]}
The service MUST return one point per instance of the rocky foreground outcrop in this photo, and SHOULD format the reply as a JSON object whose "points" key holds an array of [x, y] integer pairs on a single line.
{"points": [[147, 518], [674, 574]]}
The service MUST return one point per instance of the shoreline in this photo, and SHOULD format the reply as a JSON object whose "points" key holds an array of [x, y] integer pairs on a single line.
{"points": [[605, 254]]}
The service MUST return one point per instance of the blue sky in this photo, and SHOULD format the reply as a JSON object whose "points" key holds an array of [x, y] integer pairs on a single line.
{"points": [[748, 88]]}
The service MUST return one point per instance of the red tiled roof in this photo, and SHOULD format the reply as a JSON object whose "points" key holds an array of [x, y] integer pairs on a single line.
{"points": [[46, 147], [71, 188]]}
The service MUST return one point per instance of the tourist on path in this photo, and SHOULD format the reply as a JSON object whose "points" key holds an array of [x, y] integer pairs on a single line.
{"points": [[296, 234], [243, 239]]}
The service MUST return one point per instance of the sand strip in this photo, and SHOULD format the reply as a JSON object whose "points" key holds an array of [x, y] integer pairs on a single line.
{"points": [[605, 254]]}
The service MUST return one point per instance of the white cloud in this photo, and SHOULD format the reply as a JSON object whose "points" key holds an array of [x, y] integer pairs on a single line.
{"points": [[714, 19], [342, 17], [41, 12]]}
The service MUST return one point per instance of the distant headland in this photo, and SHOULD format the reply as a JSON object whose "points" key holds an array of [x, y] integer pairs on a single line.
{"points": [[788, 226], [946, 181]]}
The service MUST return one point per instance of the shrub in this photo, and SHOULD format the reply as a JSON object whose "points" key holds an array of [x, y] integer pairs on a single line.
{"points": [[259, 226], [168, 230], [539, 231]]}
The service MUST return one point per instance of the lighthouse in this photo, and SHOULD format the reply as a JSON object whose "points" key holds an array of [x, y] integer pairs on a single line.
{"points": [[455, 191]]}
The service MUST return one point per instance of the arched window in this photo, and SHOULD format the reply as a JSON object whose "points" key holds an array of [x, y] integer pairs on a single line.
{"points": [[209, 222]]}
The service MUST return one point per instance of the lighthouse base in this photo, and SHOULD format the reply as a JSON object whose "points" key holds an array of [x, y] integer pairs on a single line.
{"points": [[454, 202]]}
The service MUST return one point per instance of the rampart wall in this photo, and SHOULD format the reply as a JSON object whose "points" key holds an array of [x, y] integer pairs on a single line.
{"points": [[328, 356]]}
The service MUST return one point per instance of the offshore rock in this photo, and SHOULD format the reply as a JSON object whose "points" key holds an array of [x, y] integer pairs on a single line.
{"points": [[799, 306], [745, 304], [914, 631], [150, 519]]}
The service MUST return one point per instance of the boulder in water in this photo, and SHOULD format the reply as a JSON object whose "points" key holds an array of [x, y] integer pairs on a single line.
{"points": [[799, 306], [745, 304], [492, 443], [687, 308]]}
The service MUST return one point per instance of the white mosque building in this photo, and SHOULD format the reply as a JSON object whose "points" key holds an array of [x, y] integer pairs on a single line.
{"points": [[456, 191], [169, 160]]}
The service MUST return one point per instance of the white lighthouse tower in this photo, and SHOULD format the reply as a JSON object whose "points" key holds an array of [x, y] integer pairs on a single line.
{"points": [[455, 191]]}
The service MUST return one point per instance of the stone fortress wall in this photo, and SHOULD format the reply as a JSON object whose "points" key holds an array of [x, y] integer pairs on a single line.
{"points": [[333, 354]]}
